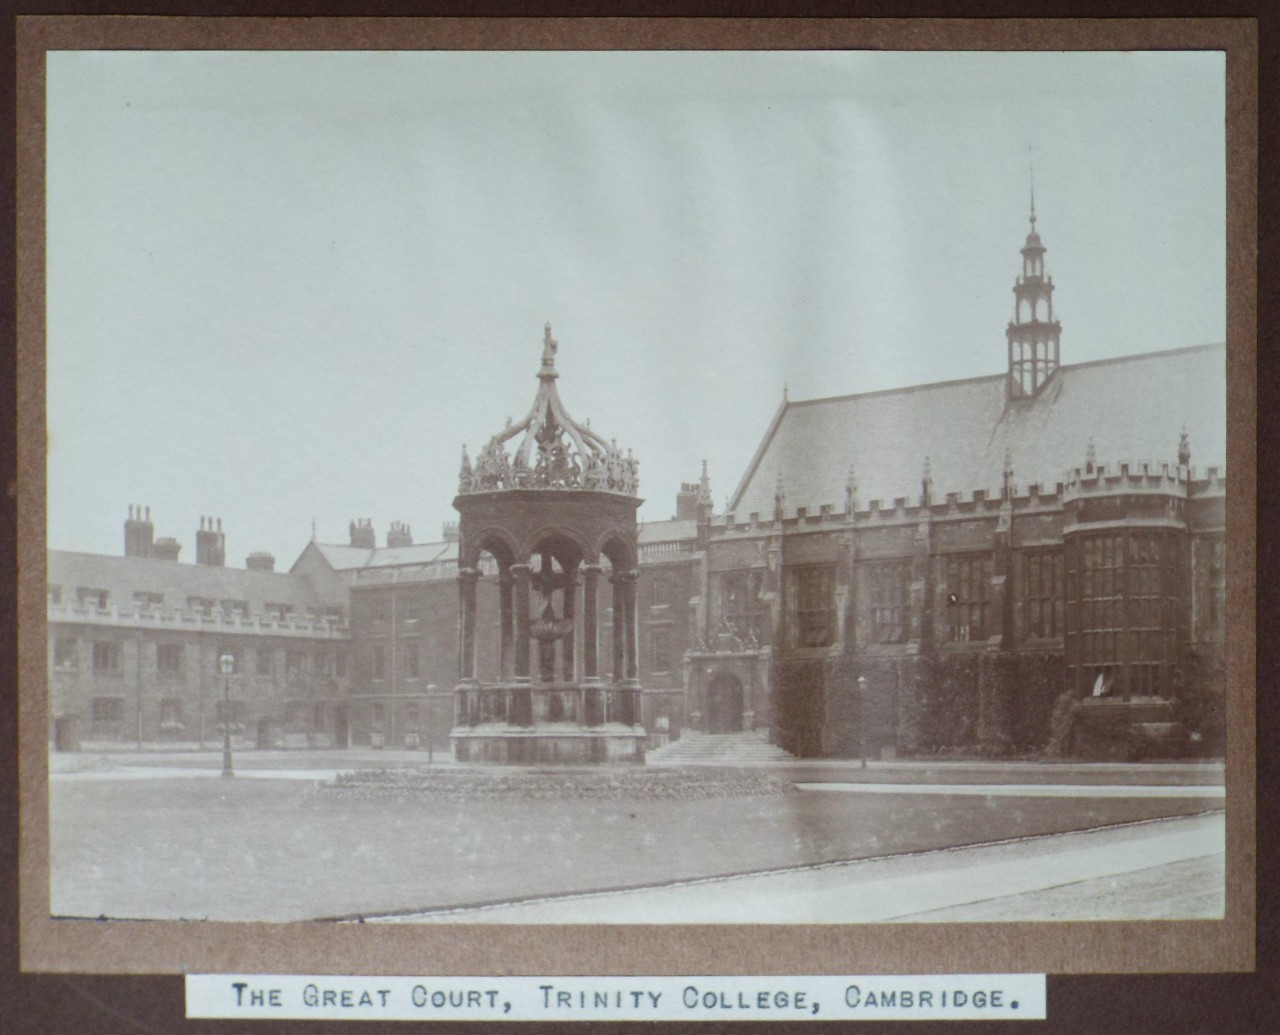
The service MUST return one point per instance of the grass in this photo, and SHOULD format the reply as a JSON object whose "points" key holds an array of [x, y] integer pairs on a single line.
{"points": [[246, 849]]}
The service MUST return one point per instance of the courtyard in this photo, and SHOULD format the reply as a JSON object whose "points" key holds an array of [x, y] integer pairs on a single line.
{"points": [[163, 836]]}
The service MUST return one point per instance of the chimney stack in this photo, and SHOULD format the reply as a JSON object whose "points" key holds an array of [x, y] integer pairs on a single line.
{"points": [[260, 560], [687, 502], [211, 543], [362, 533], [166, 549], [138, 531], [451, 533], [399, 535]]}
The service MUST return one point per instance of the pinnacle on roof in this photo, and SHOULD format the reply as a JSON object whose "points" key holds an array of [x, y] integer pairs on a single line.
{"points": [[556, 452], [1033, 238]]}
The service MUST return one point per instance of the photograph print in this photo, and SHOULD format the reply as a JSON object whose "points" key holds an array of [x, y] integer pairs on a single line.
{"points": [[650, 487]]}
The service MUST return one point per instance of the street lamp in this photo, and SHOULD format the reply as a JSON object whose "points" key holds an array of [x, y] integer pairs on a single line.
{"points": [[227, 662], [431, 689], [862, 720]]}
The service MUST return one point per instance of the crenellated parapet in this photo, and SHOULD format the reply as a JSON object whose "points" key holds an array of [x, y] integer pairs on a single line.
{"points": [[979, 503], [1127, 494], [1210, 482], [188, 620], [1137, 476]]}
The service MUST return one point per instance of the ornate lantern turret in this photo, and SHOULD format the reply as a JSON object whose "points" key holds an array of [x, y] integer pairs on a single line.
{"points": [[1033, 334]]}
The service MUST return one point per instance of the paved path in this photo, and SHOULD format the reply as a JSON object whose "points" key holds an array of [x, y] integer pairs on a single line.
{"points": [[1025, 790], [155, 772], [891, 889]]}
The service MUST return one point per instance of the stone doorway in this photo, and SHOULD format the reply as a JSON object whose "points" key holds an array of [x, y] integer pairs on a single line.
{"points": [[724, 704]]}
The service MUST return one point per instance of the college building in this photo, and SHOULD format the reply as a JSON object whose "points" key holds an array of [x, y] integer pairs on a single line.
{"points": [[999, 565]]}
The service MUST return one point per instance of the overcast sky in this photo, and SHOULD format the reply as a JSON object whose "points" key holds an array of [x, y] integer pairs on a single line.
{"points": [[286, 286]]}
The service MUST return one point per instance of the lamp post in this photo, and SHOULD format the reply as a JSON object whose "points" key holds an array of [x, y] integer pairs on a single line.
{"points": [[431, 688], [227, 662], [862, 720]]}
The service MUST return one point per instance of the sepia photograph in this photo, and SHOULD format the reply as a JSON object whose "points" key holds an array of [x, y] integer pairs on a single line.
{"points": [[636, 488]]}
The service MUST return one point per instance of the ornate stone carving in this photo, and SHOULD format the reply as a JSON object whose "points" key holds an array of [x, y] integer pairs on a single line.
{"points": [[555, 453], [725, 639]]}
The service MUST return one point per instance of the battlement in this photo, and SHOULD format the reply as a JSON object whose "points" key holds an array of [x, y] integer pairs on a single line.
{"points": [[187, 619], [1136, 476], [977, 503]]}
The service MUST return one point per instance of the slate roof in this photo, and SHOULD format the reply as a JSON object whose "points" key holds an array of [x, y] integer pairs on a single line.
{"points": [[1133, 407], [122, 576], [342, 557], [354, 558]]}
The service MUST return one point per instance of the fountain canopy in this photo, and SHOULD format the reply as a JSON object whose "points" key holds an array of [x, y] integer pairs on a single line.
{"points": [[556, 452]]}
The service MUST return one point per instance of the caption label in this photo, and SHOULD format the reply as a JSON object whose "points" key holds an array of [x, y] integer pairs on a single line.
{"points": [[958, 997]]}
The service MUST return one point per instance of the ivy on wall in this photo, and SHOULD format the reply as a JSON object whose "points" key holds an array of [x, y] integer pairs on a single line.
{"points": [[800, 691], [981, 703], [1200, 702]]}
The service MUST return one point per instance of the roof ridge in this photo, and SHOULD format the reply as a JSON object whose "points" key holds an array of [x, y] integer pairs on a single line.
{"points": [[1144, 355], [904, 389]]}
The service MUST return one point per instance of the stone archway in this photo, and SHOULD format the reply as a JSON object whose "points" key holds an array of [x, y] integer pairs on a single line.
{"points": [[725, 704]]}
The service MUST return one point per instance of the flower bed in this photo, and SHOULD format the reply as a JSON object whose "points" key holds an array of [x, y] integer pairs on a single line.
{"points": [[554, 784]]}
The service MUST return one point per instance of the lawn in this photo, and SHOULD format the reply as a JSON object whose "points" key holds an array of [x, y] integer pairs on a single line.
{"points": [[252, 849]]}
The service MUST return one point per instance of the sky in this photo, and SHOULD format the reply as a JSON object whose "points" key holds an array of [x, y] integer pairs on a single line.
{"points": [[288, 287]]}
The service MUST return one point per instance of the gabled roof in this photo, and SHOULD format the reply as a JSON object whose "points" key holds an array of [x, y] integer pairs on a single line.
{"points": [[342, 557], [122, 577], [347, 558], [1133, 408]]}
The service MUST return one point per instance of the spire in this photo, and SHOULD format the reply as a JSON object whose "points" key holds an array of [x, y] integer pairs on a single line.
{"points": [[704, 489], [1090, 456], [1006, 490], [850, 492], [779, 500], [1032, 175], [926, 485]]}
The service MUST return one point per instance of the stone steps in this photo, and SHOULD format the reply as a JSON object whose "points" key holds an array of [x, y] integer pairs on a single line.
{"points": [[694, 748]]}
